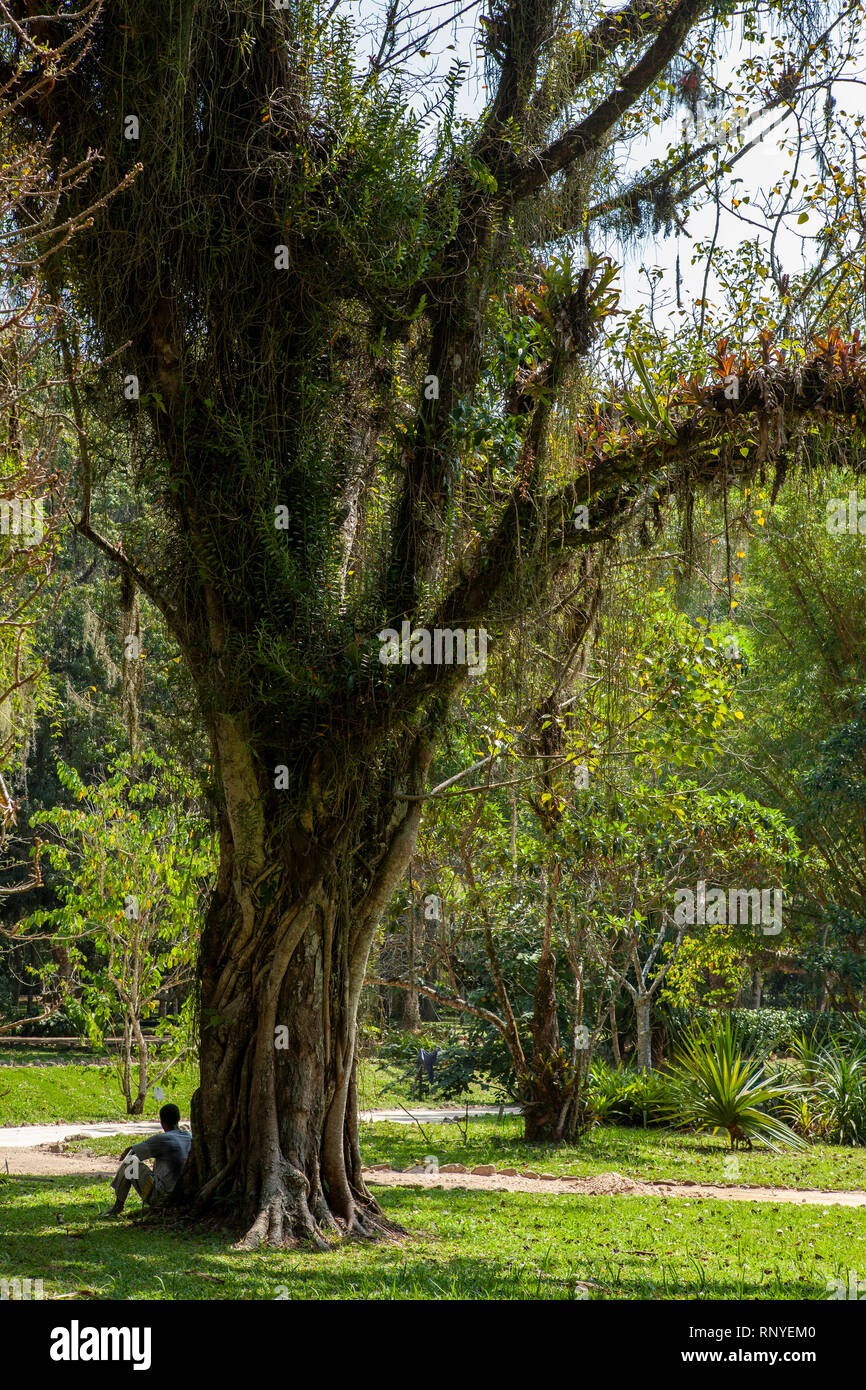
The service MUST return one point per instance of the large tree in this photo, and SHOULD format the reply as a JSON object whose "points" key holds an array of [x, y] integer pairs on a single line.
{"points": [[309, 310]]}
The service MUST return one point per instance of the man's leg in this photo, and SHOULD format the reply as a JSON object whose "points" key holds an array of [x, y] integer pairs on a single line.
{"points": [[131, 1173], [144, 1184]]}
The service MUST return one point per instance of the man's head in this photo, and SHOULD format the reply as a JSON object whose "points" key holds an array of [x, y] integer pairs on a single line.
{"points": [[169, 1117]]}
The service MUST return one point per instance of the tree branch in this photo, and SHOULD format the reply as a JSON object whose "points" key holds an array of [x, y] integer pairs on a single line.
{"points": [[451, 1001], [518, 182]]}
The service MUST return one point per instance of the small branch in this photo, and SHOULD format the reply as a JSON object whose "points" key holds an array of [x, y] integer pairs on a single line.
{"points": [[144, 582], [450, 1001]]}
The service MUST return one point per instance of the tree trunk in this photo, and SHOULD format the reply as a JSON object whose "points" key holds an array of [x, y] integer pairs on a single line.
{"points": [[411, 1011], [643, 1007], [546, 1081], [542, 1097], [125, 1067], [283, 959], [275, 1119], [137, 1107], [614, 1035]]}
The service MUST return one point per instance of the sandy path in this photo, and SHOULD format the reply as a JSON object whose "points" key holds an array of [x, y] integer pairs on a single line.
{"points": [[49, 1160], [31, 1136], [611, 1184]]}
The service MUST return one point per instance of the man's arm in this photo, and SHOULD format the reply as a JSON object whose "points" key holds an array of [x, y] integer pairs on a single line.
{"points": [[147, 1148]]}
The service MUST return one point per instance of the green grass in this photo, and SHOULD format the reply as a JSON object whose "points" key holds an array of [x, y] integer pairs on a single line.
{"points": [[462, 1244], [382, 1084], [51, 1056], [74, 1093], [69, 1091], [636, 1153]]}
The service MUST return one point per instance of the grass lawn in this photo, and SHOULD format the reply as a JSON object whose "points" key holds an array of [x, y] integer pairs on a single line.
{"points": [[50, 1056], [463, 1245], [75, 1092], [87, 1090], [382, 1084], [78, 1092], [636, 1153]]}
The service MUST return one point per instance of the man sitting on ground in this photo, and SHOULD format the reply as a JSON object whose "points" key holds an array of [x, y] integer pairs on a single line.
{"points": [[170, 1151]]}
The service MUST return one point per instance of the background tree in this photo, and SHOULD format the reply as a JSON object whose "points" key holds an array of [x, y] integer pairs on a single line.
{"points": [[136, 859], [559, 870], [33, 462]]}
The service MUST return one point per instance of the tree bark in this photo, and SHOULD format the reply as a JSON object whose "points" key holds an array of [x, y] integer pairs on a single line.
{"points": [[274, 1119], [283, 960], [143, 1061], [411, 1011], [614, 1035], [543, 1090], [643, 1013]]}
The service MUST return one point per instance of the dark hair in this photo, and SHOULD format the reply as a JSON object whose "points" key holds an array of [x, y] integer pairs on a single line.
{"points": [[169, 1117]]}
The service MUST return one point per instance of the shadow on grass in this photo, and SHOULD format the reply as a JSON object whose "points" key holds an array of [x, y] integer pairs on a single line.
{"points": [[543, 1251]]}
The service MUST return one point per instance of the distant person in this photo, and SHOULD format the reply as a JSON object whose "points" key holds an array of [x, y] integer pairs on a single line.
{"points": [[169, 1150], [426, 1061]]}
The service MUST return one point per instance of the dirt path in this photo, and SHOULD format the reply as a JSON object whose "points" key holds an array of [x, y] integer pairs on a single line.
{"points": [[33, 1136], [49, 1160], [607, 1184]]}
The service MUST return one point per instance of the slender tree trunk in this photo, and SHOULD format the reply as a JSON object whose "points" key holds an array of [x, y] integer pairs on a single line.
{"points": [[614, 1035], [126, 1066], [825, 991], [143, 1059], [643, 1012], [544, 1091], [411, 1010]]}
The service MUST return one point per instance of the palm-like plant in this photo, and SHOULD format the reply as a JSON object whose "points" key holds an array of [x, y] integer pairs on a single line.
{"points": [[723, 1089], [801, 1112], [807, 1051], [840, 1093]]}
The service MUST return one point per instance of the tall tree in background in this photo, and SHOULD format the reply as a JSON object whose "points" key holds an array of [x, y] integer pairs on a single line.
{"points": [[35, 225], [311, 312]]}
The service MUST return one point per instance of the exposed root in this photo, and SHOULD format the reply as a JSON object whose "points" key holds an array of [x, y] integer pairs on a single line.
{"points": [[367, 1225], [285, 1217], [368, 1221]]}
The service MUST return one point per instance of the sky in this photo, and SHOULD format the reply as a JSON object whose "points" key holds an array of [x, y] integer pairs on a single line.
{"points": [[758, 170]]}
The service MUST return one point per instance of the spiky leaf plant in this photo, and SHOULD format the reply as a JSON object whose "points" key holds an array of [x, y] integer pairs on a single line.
{"points": [[721, 1088]]}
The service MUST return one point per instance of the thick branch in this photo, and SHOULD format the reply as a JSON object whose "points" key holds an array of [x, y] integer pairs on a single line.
{"points": [[635, 20], [536, 539], [589, 134]]}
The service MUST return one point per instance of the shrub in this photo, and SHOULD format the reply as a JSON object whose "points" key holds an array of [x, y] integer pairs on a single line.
{"points": [[720, 1087], [840, 1094], [763, 1030], [606, 1092], [627, 1097], [457, 1066]]}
